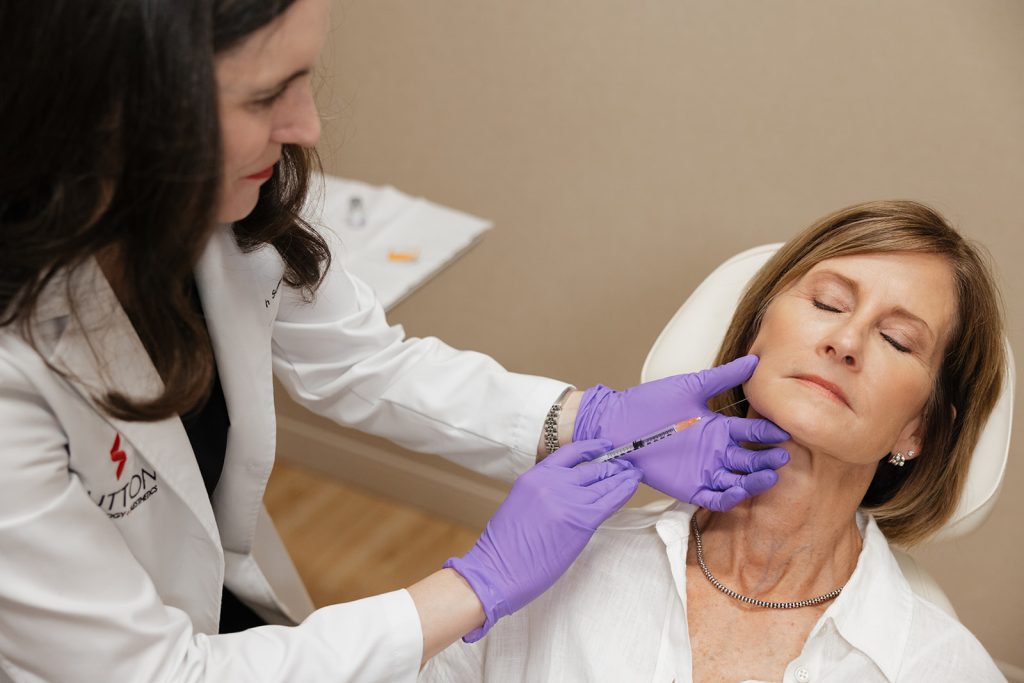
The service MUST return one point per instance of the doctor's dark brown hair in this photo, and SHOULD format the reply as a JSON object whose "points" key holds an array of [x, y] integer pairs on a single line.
{"points": [[111, 145], [911, 502]]}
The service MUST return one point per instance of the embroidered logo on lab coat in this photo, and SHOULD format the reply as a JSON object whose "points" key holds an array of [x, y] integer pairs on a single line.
{"points": [[136, 488]]}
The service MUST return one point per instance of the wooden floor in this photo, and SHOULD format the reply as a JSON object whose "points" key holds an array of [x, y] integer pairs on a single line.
{"points": [[348, 544]]}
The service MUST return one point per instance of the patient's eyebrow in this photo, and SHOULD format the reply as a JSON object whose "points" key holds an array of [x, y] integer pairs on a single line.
{"points": [[897, 311]]}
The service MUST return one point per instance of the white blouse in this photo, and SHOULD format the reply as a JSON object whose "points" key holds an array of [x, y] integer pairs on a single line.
{"points": [[619, 614]]}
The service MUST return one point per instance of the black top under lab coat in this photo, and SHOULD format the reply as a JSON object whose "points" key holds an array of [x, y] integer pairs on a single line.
{"points": [[207, 428]]}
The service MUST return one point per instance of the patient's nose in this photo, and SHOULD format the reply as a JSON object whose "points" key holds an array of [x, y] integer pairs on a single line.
{"points": [[844, 344]]}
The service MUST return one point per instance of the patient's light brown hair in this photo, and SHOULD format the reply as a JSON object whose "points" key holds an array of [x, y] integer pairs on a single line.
{"points": [[914, 501]]}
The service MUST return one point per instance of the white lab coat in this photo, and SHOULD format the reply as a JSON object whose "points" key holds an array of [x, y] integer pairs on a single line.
{"points": [[112, 558]]}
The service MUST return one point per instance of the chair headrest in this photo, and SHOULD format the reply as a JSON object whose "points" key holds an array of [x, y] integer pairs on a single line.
{"points": [[681, 348]]}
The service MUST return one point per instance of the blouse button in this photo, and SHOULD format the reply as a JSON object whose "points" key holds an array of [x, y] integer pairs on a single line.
{"points": [[802, 674]]}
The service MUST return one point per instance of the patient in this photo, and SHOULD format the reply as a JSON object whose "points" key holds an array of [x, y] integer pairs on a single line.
{"points": [[880, 341]]}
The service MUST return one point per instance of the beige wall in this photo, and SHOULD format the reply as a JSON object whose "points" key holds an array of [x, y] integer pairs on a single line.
{"points": [[625, 148]]}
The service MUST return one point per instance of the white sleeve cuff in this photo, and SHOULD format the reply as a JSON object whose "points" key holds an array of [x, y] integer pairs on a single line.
{"points": [[528, 428]]}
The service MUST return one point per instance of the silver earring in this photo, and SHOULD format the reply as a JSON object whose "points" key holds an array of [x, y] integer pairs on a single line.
{"points": [[898, 459]]}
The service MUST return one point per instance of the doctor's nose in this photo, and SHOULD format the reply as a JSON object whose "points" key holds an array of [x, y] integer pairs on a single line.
{"points": [[298, 121]]}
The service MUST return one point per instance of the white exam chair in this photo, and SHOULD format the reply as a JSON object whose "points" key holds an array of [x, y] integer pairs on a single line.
{"points": [[690, 341]]}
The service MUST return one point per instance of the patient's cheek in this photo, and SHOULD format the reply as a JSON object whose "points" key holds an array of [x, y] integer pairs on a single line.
{"points": [[764, 400], [758, 400]]}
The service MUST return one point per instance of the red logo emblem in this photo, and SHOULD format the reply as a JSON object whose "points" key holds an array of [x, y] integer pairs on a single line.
{"points": [[117, 455]]}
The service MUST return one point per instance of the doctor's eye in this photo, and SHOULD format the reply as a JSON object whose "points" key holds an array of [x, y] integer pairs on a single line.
{"points": [[267, 102]]}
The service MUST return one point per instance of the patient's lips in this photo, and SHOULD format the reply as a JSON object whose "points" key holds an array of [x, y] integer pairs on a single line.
{"points": [[825, 387]]}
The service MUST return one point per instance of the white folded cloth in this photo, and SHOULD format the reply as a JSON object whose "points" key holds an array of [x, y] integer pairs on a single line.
{"points": [[392, 241]]}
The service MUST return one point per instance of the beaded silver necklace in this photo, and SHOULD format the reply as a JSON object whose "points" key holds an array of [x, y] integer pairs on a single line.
{"points": [[743, 598]]}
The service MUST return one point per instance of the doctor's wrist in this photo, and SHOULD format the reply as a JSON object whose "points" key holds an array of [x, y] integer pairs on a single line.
{"points": [[567, 418], [560, 423], [448, 608]]}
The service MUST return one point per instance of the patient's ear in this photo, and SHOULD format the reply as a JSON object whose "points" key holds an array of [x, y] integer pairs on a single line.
{"points": [[909, 441]]}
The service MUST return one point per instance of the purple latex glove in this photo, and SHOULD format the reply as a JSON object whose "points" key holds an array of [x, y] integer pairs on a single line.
{"points": [[547, 519], [703, 464]]}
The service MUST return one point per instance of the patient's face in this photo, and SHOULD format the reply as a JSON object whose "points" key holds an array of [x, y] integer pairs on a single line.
{"points": [[874, 328]]}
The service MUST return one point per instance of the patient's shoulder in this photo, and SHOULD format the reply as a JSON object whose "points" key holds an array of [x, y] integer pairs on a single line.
{"points": [[940, 648]]}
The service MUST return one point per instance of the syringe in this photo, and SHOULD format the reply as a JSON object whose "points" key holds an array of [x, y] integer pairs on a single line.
{"points": [[656, 436], [647, 440]]}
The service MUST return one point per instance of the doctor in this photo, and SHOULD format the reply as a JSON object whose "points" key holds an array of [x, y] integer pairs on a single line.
{"points": [[154, 274]]}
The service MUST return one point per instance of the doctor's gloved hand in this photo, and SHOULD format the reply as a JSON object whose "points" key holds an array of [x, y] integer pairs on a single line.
{"points": [[547, 519], [704, 464]]}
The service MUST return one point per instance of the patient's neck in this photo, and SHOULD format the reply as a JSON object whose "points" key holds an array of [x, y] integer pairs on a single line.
{"points": [[796, 540]]}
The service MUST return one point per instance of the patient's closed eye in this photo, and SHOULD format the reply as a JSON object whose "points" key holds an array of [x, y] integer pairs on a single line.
{"points": [[895, 344], [892, 342], [825, 307]]}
